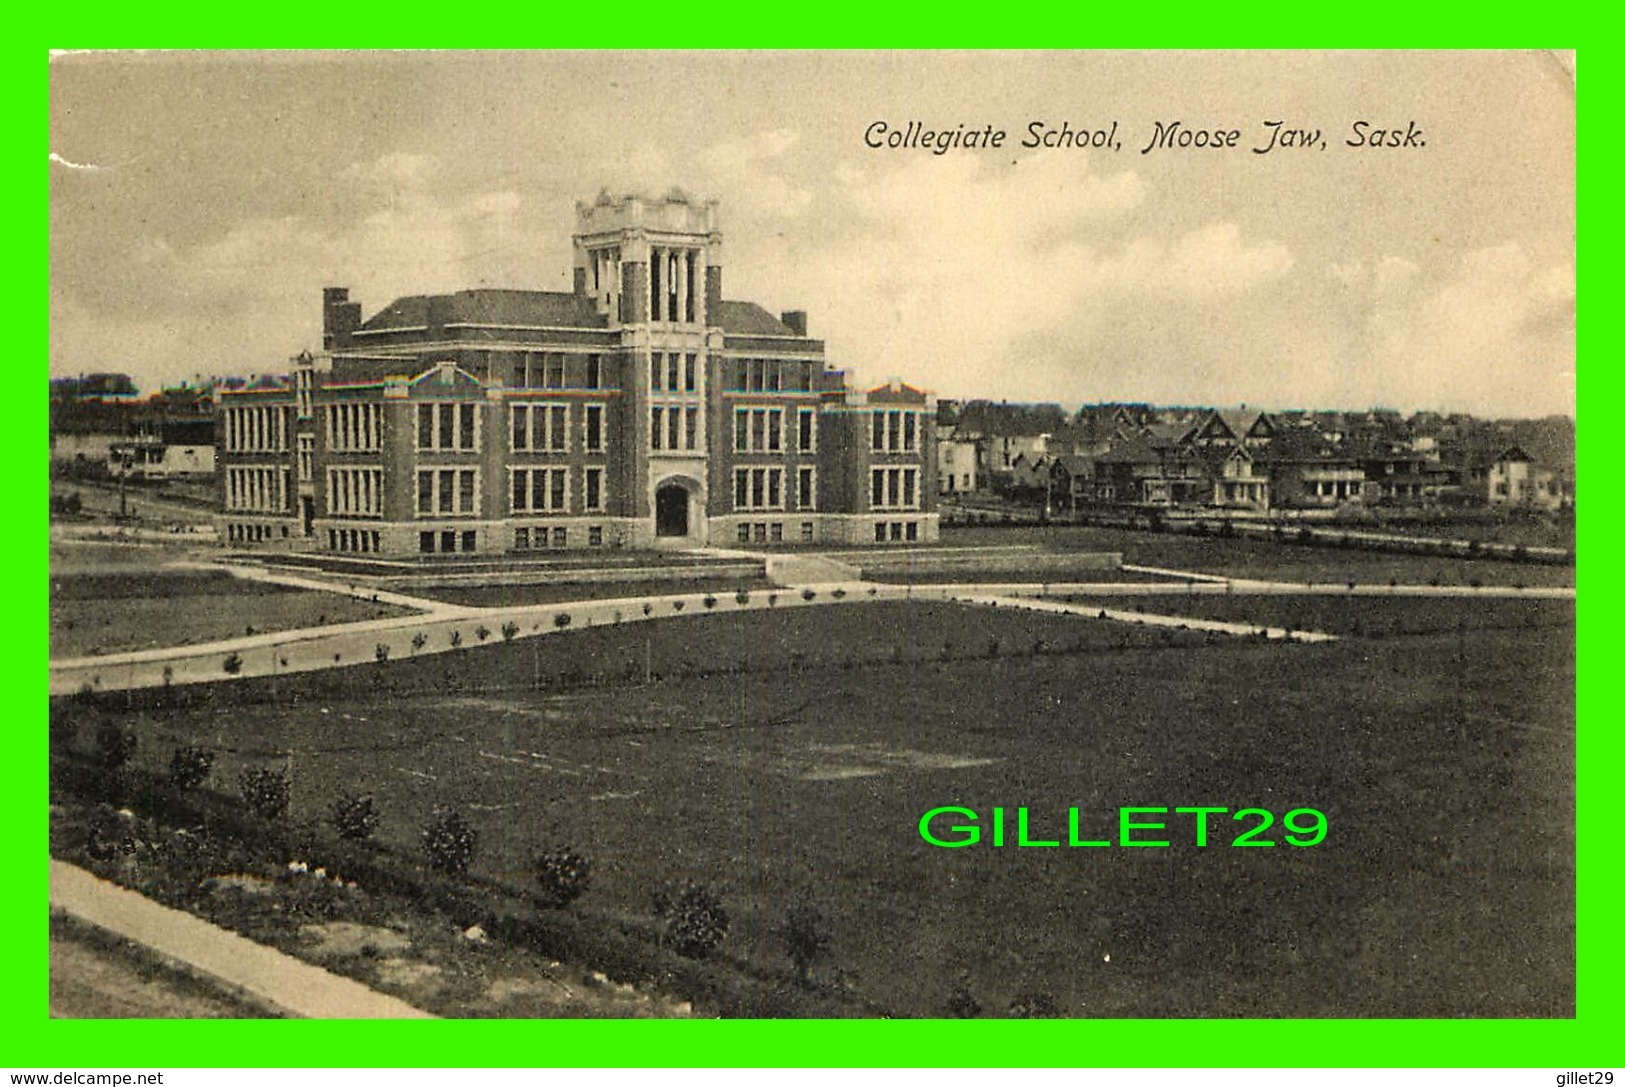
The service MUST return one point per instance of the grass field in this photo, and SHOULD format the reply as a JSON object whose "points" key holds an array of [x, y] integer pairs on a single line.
{"points": [[800, 761], [1267, 560], [143, 609]]}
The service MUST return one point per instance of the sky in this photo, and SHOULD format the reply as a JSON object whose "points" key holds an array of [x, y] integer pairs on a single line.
{"points": [[200, 202]]}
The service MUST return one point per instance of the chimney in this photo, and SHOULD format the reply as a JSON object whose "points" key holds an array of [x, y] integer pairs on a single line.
{"points": [[340, 317], [796, 319]]}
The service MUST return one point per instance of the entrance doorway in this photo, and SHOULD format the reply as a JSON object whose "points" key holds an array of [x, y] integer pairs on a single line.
{"points": [[671, 511]]}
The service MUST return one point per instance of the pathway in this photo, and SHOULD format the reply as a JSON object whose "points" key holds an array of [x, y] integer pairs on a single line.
{"points": [[263, 973]]}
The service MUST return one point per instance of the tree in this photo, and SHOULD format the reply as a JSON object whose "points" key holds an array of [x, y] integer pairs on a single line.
{"points": [[807, 936], [695, 919], [449, 842]]}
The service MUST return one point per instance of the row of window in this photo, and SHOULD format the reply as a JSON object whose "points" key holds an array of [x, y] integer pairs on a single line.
{"points": [[261, 490], [538, 537], [894, 488], [761, 430], [355, 492], [251, 533], [448, 541], [671, 372], [674, 427], [895, 432], [256, 430], [554, 370], [547, 490], [770, 532], [355, 428], [546, 428], [770, 375], [674, 284], [361, 540], [897, 531], [448, 428], [763, 489]]}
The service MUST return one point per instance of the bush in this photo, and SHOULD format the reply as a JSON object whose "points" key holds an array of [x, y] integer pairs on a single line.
{"points": [[115, 744], [695, 919], [381, 651], [419, 640], [962, 1003], [1033, 1004], [741, 597], [354, 817], [189, 767], [564, 875], [807, 594], [677, 605], [807, 936], [482, 632], [561, 620], [449, 842], [265, 792], [233, 663], [510, 630], [709, 601], [456, 638], [648, 608]]}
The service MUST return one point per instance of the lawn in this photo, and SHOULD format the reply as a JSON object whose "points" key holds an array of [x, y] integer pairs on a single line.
{"points": [[780, 755], [1268, 560], [95, 613]]}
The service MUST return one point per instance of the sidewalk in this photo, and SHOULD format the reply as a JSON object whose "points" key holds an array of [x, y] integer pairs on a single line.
{"points": [[265, 974]]}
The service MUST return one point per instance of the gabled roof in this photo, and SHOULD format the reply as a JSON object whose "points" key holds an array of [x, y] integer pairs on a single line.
{"points": [[896, 393]]}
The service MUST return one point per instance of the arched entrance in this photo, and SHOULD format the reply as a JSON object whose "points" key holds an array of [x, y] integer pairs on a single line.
{"points": [[671, 510]]}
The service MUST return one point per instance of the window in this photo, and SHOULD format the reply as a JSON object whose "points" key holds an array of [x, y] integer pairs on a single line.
{"points": [[758, 430], [893, 488], [593, 488], [448, 542], [262, 490], [656, 369], [657, 427], [775, 532], [448, 428], [595, 535], [880, 532], [744, 532], [594, 442], [355, 492], [561, 536], [307, 458], [595, 372], [806, 532], [468, 540], [806, 489], [538, 490], [447, 491], [426, 542], [758, 488], [691, 427], [806, 430], [554, 378], [354, 428], [895, 432], [688, 373], [672, 362], [521, 539], [912, 531], [674, 426], [540, 428]]}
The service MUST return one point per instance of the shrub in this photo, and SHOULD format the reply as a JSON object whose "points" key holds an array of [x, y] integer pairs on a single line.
{"points": [[648, 608], [677, 605], [115, 744], [772, 599], [807, 594], [564, 875], [807, 936], [189, 767], [695, 919], [1033, 1004], [419, 640], [381, 651], [265, 792], [169, 674], [561, 620], [709, 601], [354, 817], [448, 842], [482, 632], [456, 638], [838, 594], [510, 630], [962, 1003], [742, 597], [233, 663]]}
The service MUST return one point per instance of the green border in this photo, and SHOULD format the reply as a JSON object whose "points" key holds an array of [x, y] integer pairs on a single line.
{"points": [[1590, 1040]]}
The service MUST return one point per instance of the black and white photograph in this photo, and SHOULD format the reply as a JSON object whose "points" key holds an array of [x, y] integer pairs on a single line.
{"points": [[812, 534]]}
